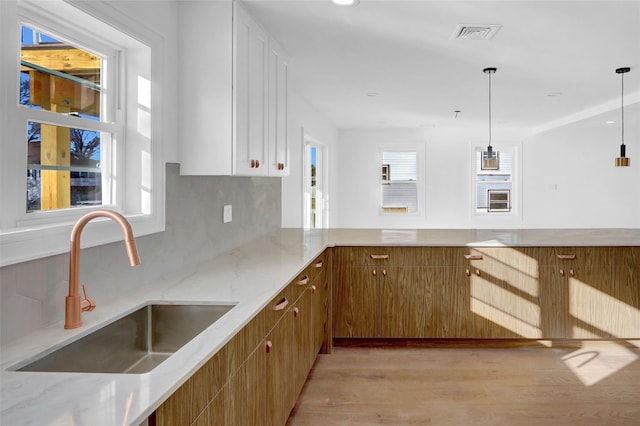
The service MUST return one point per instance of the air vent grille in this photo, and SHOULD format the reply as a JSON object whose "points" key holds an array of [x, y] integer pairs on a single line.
{"points": [[475, 31]]}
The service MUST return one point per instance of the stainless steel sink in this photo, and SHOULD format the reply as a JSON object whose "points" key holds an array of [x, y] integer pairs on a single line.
{"points": [[133, 344]]}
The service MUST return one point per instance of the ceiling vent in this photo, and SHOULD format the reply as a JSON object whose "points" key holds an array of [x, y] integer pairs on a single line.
{"points": [[475, 32]]}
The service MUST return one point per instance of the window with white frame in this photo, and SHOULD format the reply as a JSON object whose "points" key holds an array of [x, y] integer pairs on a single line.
{"points": [[77, 132], [494, 185], [399, 182]]}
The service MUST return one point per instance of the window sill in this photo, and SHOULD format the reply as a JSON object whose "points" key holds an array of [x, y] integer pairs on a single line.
{"points": [[29, 243]]}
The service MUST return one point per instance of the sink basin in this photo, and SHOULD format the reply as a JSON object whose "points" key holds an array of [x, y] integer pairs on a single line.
{"points": [[133, 344]]}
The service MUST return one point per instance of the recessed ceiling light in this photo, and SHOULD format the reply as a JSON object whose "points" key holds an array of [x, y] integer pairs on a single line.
{"points": [[372, 94], [610, 122], [554, 94], [346, 2]]}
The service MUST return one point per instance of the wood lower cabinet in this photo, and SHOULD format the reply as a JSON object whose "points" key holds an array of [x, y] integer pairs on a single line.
{"points": [[491, 292], [355, 301], [256, 377], [279, 374], [406, 301]]}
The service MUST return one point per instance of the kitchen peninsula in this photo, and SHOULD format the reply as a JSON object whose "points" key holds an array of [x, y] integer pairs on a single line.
{"points": [[251, 276]]}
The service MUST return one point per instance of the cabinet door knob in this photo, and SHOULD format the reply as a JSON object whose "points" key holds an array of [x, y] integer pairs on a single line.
{"points": [[478, 272], [268, 346], [296, 312], [562, 272], [572, 273], [257, 163], [313, 289], [253, 164], [468, 272], [375, 272], [304, 280], [384, 272]]}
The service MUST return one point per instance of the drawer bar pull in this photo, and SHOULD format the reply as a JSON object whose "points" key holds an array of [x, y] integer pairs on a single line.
{"points": [[566, 256], [281, 305], [304, 280], [379, 256], [473, 256], [320, 264]]}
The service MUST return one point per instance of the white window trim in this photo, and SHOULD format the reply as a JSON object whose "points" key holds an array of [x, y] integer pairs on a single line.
{"points": [[419, 149], [480, 218], [27, 239]]}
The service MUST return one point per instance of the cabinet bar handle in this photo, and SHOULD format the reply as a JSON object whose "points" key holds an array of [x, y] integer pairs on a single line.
{"points": [[379, 256], [281, 305], [473, 256], [320, 264], [566, 256], [268, 346], [304, 280]]}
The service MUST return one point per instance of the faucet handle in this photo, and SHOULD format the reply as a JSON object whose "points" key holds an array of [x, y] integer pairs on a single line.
{"points": [[87, 304]]}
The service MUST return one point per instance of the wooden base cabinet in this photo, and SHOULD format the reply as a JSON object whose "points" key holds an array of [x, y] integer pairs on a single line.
{"points": [[256, 377], [487, 292]]}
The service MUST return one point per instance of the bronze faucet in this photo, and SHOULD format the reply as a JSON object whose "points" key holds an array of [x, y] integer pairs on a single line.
{"points": [[74, 306]]}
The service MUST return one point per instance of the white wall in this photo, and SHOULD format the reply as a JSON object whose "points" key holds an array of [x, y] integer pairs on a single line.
{"points": [[304, 118], [591, 192]]}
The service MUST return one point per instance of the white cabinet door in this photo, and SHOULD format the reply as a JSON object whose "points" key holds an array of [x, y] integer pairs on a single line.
{"points": [[278, 110], [251, 53]]}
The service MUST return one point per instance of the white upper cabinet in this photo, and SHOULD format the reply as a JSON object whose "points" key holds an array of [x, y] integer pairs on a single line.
{"points": [[233, 94], [278, 104]]}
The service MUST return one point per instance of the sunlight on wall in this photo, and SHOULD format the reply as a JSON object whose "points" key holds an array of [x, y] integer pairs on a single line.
{"points": [[598, 360]]}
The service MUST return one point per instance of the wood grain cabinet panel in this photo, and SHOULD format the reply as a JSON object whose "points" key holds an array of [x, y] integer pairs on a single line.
{"points": [[405, 301], [626, 292], [187, 403], [575, 299], [246, 394], [503, 291], [303, 340], [280, 396], [355, 301]]}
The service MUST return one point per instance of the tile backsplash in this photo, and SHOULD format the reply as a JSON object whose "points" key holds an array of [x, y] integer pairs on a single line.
{"points": [[32, 293]]}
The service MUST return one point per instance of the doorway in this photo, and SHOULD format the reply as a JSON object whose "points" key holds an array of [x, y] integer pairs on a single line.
{"points": [[314, 176]]}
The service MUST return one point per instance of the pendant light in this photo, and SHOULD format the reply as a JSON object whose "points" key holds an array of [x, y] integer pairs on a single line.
{"points": [[490, 158], [623, 160]]}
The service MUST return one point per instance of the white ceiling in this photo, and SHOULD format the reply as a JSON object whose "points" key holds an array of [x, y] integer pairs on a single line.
{"points": [[404, 51]]}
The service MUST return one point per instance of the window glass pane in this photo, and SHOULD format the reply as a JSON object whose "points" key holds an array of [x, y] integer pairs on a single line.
{"points": [[500, 179], [58, 77], [399, 175], [63, 167]]}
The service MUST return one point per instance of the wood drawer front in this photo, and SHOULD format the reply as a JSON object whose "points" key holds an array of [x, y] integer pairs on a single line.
{"points": [[276, 308], [308, 276], [626, 256], [391, 256], [575, 256], [245, 342]]}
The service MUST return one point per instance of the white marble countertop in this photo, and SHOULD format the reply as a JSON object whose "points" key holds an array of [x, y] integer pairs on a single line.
{"points": [[249, 276]]}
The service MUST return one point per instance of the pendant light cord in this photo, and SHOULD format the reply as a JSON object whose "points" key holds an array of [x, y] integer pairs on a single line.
{"points": [[489, 109], [622, 109]]}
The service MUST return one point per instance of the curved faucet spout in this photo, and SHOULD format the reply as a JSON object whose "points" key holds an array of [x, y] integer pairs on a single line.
{"points": [[73, 304]]}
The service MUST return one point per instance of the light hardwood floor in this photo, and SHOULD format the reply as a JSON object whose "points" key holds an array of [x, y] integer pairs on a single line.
{"points": [[596, 384]]}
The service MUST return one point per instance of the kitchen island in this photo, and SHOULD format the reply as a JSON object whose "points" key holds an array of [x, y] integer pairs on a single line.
{"points": [[249, 276]]}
